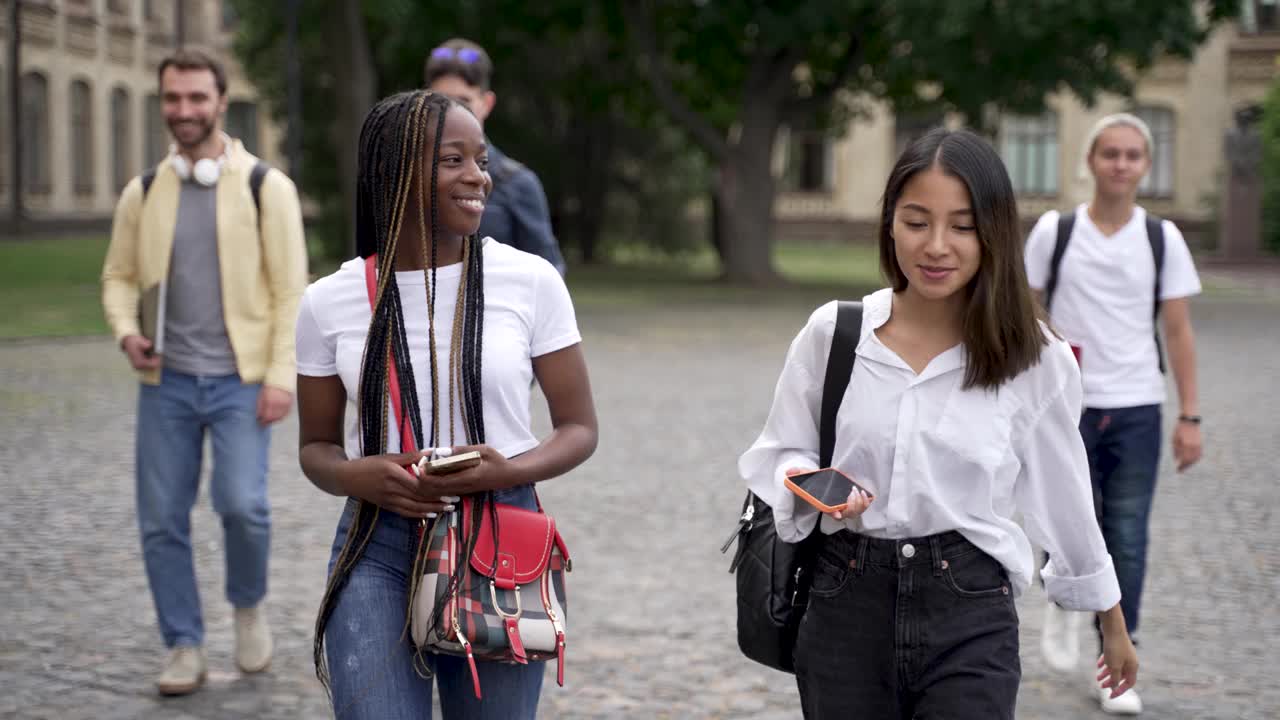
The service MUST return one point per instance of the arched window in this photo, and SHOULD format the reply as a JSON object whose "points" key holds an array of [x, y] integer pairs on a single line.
{"points": [[121, 134], [1029, 146], [1159, 179], [81, 137], [36, 174], [242, 123], [157, 138]]}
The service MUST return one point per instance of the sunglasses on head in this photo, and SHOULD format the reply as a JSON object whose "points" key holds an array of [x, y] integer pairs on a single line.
{"points": [[465, 55]]}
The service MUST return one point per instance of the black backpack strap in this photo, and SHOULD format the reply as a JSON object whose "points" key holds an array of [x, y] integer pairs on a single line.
{"points": [[1155, 236], [256, 176], [844, 348], [1066, 222], [148, 177]]}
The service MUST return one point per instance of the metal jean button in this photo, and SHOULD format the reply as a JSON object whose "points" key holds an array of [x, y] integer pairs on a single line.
{"points": [[908, 551]]}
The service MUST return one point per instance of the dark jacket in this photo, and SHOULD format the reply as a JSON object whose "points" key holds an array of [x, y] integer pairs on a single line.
{"points": [[516, 212]]}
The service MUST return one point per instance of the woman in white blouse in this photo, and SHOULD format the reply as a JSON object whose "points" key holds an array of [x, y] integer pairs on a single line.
{"points": [[961, 412]]}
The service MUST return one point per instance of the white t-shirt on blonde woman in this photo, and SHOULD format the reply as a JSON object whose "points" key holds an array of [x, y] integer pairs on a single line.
{"points": [[528, 313], [1103, 301]]}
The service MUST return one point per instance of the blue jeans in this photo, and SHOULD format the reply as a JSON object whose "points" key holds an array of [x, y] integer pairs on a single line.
{"points": [[370, 655], [1124, 454], [172, 420]]}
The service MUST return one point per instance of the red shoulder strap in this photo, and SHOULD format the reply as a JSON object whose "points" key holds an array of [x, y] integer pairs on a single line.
{"points": [[407, 442]]}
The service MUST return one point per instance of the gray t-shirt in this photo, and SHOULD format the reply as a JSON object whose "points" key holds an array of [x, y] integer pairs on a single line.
{"points": [[195, 333]]}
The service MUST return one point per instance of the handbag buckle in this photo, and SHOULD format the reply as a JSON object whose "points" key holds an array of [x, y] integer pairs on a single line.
{"points": [[493, 593]]}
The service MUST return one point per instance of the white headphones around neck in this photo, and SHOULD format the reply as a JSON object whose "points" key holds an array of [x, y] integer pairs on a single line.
{"points": [[206, 170]]}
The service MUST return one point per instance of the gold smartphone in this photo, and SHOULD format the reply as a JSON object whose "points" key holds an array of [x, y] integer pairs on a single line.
{"points": [[453, 463]]}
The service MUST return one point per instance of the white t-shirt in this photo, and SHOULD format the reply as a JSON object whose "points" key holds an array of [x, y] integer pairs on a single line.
{"points": [[1103, 301], [527, 313]]}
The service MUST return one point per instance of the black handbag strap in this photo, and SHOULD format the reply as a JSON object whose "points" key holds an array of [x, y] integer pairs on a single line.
{"points": [[844, 349]]}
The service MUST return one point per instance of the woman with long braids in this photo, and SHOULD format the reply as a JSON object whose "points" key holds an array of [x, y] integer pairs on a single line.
{"points": [[468, 324]]}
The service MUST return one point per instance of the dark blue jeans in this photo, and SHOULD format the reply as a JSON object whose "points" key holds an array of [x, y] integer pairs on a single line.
{"points": [[900, 629], [1124, 453]]}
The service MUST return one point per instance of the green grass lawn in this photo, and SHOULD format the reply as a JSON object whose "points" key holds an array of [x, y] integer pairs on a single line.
{"points": [[50, 287]]}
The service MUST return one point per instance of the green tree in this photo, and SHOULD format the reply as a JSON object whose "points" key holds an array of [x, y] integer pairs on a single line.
{"points": [[569, 105], [1269, 127], [733, 73]]}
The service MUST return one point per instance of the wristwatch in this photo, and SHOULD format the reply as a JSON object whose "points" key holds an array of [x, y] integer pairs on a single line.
{"points": [[1193, 419]]}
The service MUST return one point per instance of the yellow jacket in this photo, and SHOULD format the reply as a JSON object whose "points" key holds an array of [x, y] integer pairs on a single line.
{"points": [[262, 278]]}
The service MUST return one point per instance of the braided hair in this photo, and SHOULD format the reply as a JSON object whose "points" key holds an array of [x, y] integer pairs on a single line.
{"points": [[391, 151]]}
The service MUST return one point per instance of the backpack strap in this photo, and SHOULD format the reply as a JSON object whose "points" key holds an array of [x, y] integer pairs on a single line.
{"points": [[844, 348], [256, 176], [148, 177], [1066, 222], [1155, 236]]}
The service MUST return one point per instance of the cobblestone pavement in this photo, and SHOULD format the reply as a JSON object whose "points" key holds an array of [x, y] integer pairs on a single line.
{"points": [[680, 392]]}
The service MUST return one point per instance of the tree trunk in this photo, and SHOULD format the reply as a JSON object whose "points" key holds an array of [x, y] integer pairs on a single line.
{"points": [[594, 194], [746, 194], [355, 86]]}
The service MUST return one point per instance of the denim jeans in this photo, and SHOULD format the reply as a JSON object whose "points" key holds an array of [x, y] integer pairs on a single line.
{"points": [[1124, 454], [370, 655], [173, 418], [902, 629]]}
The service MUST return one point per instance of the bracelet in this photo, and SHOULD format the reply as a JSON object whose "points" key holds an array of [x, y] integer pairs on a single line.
{"points": [[1193, 419]]}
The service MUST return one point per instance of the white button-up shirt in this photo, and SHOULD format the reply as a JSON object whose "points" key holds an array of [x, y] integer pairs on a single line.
{"points": [[938, 457]]}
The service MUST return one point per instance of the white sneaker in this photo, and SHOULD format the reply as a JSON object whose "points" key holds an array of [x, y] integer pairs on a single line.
{"points": [[184, 671], [253, 639], [1060, 638], [1127, 704]]}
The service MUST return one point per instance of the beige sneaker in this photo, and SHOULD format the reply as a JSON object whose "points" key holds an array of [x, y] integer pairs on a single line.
{"points": [[253, 639], [184, 671]]}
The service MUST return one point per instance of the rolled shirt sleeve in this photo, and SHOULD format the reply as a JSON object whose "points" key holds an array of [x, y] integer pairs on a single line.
{"points": [[1055, 495]]}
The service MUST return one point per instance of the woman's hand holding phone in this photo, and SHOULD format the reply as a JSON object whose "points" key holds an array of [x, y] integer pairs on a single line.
{"points": [[387, 481], [854, 505], [858, 502]]}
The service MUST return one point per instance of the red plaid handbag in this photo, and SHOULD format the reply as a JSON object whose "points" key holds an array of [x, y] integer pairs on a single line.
{"points": [[508, 603]]}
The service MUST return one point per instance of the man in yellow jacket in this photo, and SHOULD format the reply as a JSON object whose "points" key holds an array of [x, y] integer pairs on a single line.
{"points": [[201, 286]]}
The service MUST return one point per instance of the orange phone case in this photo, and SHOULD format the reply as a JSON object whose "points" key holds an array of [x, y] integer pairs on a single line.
{"points": [[816, 502]]}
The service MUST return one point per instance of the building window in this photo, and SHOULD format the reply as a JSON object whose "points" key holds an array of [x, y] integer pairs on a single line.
{"points": [[121, 147], [118, 7], [1029, 146], [242, 123], [1259, 16], [907, 127], [35, 133], [1159, 178], [81, 137], [157, 137], [809, 165], [230, 19]]}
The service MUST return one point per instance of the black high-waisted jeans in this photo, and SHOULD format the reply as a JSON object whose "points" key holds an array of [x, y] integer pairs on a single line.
{"points": [[921, 628]]}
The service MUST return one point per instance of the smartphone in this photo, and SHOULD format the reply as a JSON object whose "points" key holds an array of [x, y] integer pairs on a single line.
{"points": [[827, 489], [452, 464]]}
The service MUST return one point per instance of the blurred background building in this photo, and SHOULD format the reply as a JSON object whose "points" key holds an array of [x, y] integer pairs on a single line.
{"points": [[90, 121], [89, 104], [832, 186]]}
